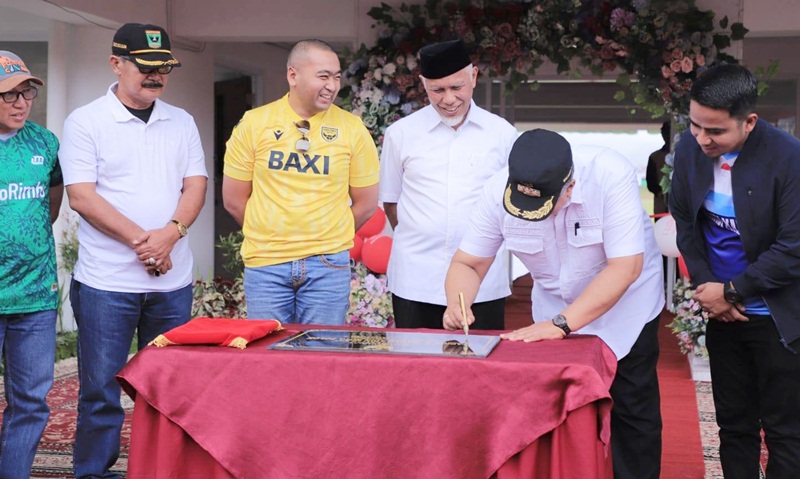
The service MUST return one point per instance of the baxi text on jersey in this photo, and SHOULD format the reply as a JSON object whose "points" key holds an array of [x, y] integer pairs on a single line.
{"points": [[317, 164], [18, 191]]}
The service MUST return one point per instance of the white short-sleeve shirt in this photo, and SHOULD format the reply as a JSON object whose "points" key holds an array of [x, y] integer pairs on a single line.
{"points": [[435, 175], [565, 252], [139, 169]]}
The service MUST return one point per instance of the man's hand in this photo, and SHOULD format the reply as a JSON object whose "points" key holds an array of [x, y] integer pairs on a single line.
{"points": [[535, 332], [453, 319], [156, 244], [159, 269], [711, 297]]}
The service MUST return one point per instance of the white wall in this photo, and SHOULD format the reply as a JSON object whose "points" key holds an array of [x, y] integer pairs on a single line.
{"points": [[259, 20], [264, 62]]}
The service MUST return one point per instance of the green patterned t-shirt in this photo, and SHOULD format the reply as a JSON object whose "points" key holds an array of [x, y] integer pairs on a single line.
{"points": [[28, 168]]}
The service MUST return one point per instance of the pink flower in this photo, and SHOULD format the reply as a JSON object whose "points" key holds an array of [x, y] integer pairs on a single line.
{"points": [[687, 65], [676, 66], [700, 60]]}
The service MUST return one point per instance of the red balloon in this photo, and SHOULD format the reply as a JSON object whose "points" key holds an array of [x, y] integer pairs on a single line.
{"points": [[355, 251], [374, 225], [682, 268], [375, 253]]}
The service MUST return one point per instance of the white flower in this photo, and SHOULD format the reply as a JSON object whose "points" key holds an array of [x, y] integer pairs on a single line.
{"points": [[390, 69]]}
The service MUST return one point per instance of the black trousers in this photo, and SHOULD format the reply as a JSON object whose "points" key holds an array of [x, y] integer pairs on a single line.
{"points": [[756, 383], [636, 414], [414, 314]]}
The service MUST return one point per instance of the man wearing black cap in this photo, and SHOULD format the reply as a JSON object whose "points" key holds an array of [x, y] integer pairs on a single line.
{"points": [[433, 165], [135, 172], [31, 190], [574, 217]]}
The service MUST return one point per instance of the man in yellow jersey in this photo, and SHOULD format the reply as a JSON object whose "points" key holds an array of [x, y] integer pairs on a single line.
{"points": [[301, 176]]}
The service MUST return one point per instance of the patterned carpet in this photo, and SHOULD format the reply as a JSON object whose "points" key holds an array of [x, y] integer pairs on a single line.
{"points": [[709, 433], [54, 457]]}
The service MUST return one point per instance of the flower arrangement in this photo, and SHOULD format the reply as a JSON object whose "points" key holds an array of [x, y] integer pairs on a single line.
{"points": [[370, 299], [656, 47], [690, 321], [219, 298]]}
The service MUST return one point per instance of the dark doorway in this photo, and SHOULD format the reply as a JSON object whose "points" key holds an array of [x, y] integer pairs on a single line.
{"points": [[232, 98]]}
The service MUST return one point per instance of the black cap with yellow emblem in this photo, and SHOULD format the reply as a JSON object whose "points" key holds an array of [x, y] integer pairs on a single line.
{"points": [[539, 165], [147, 45]]}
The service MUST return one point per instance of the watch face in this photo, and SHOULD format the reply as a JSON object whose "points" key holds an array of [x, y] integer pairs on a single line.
{"points": [[560, 321], [733, 296]]}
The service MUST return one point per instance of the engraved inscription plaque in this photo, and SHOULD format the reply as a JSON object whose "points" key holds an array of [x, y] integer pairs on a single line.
{"points": [[389, 342]]}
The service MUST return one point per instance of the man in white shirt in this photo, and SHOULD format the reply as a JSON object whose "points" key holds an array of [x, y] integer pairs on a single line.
{"points": [[135, 171], [575, 219], [433, 166]]}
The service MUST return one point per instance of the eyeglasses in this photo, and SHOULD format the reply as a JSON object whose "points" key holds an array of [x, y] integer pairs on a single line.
{"points": [[162, 70], [303, 144], [13, 96]]}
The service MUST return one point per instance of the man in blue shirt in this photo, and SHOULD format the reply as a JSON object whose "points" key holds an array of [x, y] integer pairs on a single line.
{"points": [[735, 197]]}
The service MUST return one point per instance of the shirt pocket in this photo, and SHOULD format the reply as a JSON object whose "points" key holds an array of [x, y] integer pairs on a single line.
{"points": [[528, 246], [587, 254]]}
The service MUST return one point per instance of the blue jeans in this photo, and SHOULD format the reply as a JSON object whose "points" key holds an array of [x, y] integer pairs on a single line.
{"points": [[313, 290], [28, 342], [107, 322]]}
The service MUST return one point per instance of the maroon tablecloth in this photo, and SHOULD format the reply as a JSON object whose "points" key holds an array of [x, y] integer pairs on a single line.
{"points": [[529, 410]]}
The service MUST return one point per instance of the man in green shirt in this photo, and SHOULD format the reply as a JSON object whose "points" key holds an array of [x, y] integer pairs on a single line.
{"points": [[31, 189]]}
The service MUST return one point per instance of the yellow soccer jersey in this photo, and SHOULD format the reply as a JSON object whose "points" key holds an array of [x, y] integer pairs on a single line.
{"points": [[300, 203]]}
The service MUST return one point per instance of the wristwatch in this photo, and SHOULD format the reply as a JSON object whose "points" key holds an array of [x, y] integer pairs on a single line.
{"points": [[731, 295], [182, 229], [560, 321]]}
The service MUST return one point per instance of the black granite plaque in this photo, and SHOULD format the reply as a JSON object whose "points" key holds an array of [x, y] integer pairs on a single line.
{"points": [[389, 342]]}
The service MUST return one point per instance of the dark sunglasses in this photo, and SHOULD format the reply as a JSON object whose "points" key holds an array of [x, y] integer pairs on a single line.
{"points": [[162, 70], [12, 96], [303, 144]]}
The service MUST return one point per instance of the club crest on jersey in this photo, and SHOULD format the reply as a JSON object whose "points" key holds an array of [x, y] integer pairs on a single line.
{"points": [[37, 160], [329, 133], [278, 134]]}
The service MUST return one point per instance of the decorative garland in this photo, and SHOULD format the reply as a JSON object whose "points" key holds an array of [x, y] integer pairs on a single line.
{"points": [[656, 48]]}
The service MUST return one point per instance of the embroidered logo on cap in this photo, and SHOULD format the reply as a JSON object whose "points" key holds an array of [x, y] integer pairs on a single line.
{"points": [[10, 66], [528, 190], [153, 38]]}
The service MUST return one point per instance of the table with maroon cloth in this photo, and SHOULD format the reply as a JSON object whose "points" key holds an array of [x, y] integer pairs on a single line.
{"points": [[533, 410]]}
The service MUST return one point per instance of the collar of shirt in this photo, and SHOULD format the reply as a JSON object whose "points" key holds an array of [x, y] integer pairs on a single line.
{"points": [[121, 114], [475, 116], [292, 117]]}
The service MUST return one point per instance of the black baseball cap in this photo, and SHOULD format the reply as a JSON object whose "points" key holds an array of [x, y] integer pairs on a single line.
{"points": [[539, 165], [147, 45]]}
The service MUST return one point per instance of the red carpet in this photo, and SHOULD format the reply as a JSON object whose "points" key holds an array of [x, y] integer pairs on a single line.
{"points": [[682, 455]]}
